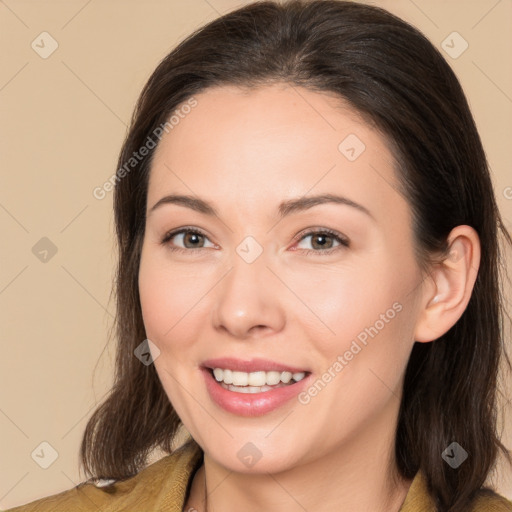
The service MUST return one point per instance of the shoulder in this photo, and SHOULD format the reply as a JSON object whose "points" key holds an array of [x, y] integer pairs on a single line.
{"points": [[489, 501], [154, 488], [418, 499]]}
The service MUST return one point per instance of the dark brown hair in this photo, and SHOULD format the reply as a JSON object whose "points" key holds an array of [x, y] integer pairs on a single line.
{"points": [[400, 83]]}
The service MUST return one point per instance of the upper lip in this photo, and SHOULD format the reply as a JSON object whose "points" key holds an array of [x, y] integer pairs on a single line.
{"points": [[253, 365]]}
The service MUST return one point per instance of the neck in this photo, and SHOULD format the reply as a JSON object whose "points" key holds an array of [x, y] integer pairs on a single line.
{"points": [[360, 475]]}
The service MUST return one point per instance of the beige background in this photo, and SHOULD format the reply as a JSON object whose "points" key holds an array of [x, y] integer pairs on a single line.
{"points": [[63, 120]]}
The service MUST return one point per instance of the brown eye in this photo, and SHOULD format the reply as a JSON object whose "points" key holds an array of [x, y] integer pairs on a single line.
{"points": [[323, 241], [193, 239], [186, 238]]}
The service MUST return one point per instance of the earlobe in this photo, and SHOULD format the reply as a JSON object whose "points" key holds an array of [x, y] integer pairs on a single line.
{"points": [[452, 280]]}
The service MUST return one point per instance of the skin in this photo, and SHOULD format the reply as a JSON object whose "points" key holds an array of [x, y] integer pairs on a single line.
{"points": [[245, 152]]}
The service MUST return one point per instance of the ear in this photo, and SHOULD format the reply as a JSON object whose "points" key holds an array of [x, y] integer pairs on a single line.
{"points": [[450, 284]]}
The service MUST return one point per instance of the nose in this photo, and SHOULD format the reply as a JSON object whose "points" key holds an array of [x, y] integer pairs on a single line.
{"points": [[249, 300]]}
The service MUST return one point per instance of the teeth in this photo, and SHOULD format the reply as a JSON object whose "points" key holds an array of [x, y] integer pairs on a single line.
{"points": [[255, 379], [247, 389], [228, 377], [286, 377]]}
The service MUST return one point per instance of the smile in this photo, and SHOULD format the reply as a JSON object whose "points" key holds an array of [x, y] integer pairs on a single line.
{"points": [[255, 382], [252, 393]]}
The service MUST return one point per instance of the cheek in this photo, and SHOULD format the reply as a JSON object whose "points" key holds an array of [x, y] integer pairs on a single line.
{"points": [[363, 305], [343, 301], [158, 297], [170, 297]]}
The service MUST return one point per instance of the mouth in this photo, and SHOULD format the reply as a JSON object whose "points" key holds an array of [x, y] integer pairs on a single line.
{"points": [[252, 388], [254, 382]]}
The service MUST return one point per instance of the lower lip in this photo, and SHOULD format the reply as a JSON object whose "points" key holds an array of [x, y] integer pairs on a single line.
{"points": [[251, 404]]}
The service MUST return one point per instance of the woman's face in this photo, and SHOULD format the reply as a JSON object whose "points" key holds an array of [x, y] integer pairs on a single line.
{"points": [[256, 284]]}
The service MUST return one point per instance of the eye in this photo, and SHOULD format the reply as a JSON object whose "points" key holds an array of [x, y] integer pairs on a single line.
{"points": [[191, 238], [323, 241]]}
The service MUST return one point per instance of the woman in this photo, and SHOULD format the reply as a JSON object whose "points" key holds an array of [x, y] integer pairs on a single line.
{"points": [[308, 281]]}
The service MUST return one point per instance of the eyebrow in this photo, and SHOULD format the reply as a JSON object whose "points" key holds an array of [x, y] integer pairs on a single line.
{"points": [[285, 208]]}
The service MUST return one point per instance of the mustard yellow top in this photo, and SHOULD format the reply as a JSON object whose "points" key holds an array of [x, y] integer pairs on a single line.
{"points": [[164, 485]]}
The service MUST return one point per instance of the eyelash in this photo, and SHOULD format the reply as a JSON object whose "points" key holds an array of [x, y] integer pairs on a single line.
{"points": [[344, 243]]}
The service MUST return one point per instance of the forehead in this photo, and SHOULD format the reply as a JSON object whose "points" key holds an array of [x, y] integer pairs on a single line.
{"points": [[269, 143]]}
